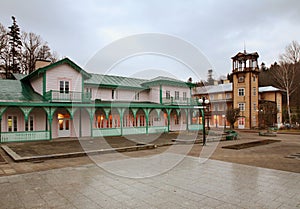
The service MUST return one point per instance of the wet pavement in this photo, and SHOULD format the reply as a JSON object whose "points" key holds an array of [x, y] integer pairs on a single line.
{"points": [[190, 184]]}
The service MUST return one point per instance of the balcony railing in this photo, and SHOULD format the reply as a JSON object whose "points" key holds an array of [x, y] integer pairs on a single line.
{"points": [[179, 101], [70, 96]]}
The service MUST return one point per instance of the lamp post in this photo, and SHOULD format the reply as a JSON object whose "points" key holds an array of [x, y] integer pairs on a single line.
{"points": [[203, 101]]}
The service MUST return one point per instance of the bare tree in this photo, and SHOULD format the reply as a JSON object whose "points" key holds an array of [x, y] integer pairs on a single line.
{"points": [[292, 53], [232, 115], [3, 37], [32, 44], [35, 48], [4, 49], [284, 74]]}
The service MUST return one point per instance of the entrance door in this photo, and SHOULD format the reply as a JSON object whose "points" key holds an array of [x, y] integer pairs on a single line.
{"points": [[63, 125], [241, 123]]}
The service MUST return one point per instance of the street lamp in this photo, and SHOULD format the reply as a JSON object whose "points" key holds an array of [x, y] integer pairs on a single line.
{"points": [[203, 101]]}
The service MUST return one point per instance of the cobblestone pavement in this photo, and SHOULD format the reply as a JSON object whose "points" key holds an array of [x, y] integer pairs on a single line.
{"points": [[191, 184]]}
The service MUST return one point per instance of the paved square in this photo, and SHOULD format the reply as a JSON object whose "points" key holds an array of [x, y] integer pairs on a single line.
{"points": [[213, 184]]}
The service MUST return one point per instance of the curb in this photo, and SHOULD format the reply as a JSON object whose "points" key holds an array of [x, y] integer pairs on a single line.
{"points": [[18, 158]]}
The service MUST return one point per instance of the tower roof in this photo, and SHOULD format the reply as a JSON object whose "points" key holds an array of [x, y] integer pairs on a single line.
{"points": [[245, 55]]}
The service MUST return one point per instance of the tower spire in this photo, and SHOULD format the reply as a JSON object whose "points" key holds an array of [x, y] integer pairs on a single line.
{"points": [[244, 47]]}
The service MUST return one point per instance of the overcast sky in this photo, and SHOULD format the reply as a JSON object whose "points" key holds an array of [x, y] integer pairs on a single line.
{"points": [[218, 28]]}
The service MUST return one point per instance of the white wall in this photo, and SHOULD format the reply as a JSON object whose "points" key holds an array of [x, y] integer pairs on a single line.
{"points": [[63, 72], [172, 90], [120, 94], [37, 84]]}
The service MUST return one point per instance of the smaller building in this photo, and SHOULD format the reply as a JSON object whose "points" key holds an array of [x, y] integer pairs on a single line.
{"points": [[259, 106]]}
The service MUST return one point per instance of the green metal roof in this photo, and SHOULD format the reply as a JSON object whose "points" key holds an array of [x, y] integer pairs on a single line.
{"points": [[17, 91], [60, 62], [18, 76], [161, 80], [112, 81]]}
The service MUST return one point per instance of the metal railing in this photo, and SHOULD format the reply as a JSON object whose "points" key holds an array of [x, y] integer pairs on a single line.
{"points": [[179, 101]]}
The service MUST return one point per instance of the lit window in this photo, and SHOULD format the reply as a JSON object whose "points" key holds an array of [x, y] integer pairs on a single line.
{"points": [[12, 123], [241, 91]]}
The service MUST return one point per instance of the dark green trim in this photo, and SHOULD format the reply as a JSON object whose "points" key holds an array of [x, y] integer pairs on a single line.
{"points": [[104, 104], [80, 125], [82, 89], [160, 94], [60, 62], [44, 84], [187, 118]]}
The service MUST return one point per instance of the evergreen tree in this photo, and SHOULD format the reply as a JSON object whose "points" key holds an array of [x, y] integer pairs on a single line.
{"points": [[15, 45]]}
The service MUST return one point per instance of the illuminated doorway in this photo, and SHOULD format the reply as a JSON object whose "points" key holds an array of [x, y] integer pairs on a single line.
{"points": [[63, 125]]}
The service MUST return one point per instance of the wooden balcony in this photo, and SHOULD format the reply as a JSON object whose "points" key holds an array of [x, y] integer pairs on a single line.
{"points": [[70, 96]]}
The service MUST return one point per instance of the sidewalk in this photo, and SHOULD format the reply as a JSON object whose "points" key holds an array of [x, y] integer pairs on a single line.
{"points": [[213, 184]]}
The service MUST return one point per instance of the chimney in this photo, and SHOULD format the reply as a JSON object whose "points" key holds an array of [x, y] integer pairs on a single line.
{"points": [[41, 63]]}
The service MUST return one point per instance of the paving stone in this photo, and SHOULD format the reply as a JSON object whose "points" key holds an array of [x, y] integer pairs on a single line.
{"points": [[213, 184]]}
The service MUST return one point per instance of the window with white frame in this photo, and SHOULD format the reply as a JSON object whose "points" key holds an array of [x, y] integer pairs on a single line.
{"points": [[241, 92], [184, 96], [254, 106], [242, 106], [64, 86], [137, 96], [176, 95], [216, 107], [254, 91], [89, 90], [12, 123], [168, 95], [114, 94], [29, 124]]}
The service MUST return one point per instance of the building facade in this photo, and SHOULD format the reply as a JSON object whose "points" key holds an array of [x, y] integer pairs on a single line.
{"points": [[255, 103], [63, 100]]}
